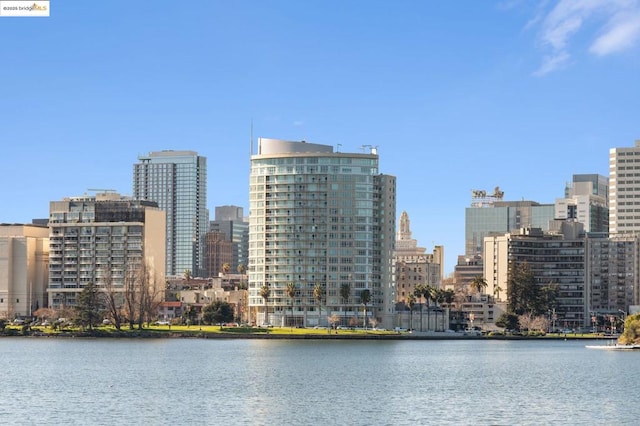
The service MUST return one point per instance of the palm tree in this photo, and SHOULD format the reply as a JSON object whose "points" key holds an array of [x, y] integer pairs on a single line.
{"points": [[241, 270], [411, 300], [318, 294], [449, 297], [345, 292], [418, 293], [365, 298], [496, 292], [226, 268], [440, 298], [478, 283], [426, 292], [265, 292], [291, 292]]}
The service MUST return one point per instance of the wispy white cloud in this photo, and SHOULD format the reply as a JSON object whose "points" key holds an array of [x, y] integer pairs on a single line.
{"points": [[622, 35], [298, 123], [617, 28], [552, 63]]}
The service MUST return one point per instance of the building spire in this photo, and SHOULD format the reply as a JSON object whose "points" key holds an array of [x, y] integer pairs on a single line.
{"points": [[405, 227]]}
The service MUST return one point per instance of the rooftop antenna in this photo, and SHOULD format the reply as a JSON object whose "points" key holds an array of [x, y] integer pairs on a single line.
{"points": [[338, 147], [363, 147], [251, 139]]}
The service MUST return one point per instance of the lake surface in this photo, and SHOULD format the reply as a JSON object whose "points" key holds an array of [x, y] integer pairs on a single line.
{"points": [[279, 382]]}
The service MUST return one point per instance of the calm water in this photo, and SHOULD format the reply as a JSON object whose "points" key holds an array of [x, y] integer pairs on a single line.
{"points": [[265, 382]]}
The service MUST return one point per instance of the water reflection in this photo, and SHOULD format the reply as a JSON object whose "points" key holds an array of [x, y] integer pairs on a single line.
{"points": [[55, 381]]}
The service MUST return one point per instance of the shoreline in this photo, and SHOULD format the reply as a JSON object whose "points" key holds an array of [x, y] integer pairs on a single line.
{"points": [[198, 334]]}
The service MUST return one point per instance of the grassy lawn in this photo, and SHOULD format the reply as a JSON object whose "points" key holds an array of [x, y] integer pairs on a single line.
{"points": [[198, 330]]}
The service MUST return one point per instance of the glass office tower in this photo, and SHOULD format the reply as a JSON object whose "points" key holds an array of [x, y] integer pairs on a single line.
{"points": [[177, 181]]}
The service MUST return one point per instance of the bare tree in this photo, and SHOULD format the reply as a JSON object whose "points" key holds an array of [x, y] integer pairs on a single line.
{"points": [[526, 321], [333, 320], [112, 299], [151, 299], [130, 293], [147, 297], [48, 314], [373, 321]]}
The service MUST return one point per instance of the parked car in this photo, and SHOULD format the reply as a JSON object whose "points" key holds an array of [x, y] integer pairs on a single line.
{"points": [[266, 325]]}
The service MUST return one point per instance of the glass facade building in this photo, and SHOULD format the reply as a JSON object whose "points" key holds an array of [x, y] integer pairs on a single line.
{"points": [[177, 181], [503, 217], [324, 221], [230, 221]]}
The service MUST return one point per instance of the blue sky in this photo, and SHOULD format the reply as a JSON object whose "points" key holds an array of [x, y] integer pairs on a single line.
{"points": [[456, 95]]}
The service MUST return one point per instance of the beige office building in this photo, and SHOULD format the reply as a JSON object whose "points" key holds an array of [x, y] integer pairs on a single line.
{"points": [[24, 255], [413, 265], [103, 239], [624, 190]]}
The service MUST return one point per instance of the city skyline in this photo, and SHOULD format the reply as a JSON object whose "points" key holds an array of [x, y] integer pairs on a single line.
{"points": [[456, 96]]}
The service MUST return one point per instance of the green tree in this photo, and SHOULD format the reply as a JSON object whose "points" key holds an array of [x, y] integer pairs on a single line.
{"points": [[449, 297], [496, 292], [291, 292], [265, 292], [509, 321], [226, 267], [88, 308], [345, 293], [191, 315], [522, 290], [217, 312], [318, 295], [433, 296], [439, 298], [242, 269], [426, 292], [418, 293], [411, 301], [548, 298], [478, 284], [365, 298], [631, 333]]}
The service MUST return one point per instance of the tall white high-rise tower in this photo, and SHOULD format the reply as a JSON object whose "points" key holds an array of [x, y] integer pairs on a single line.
{"points": [[322, 222]]}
